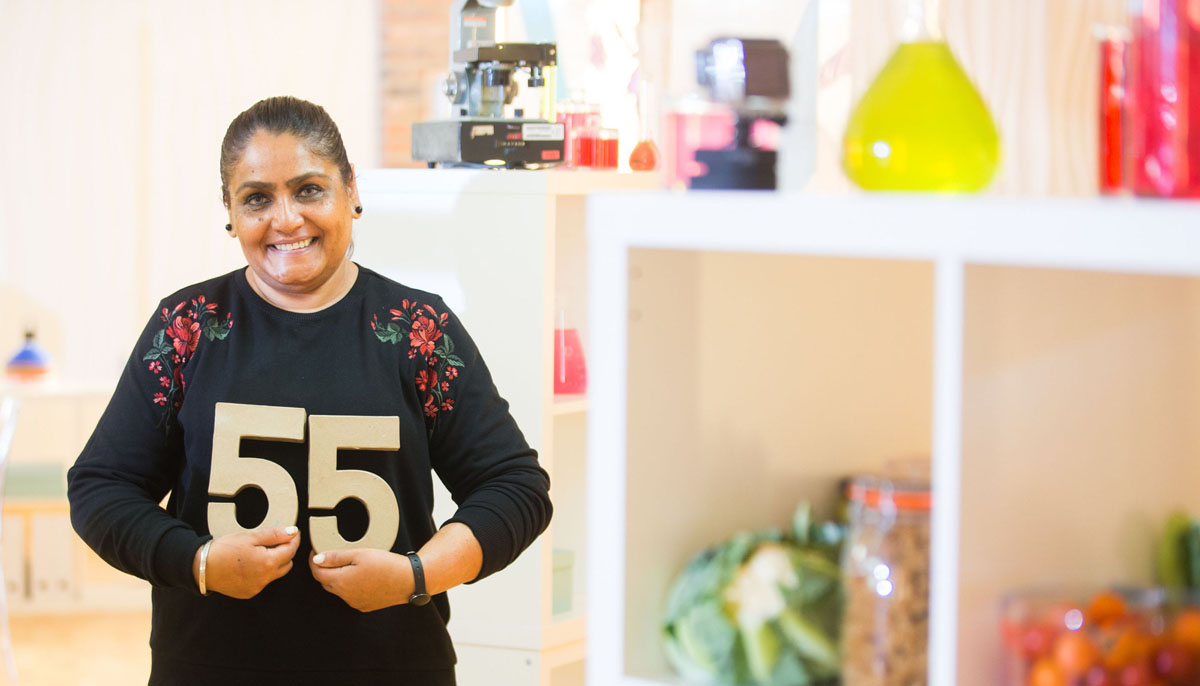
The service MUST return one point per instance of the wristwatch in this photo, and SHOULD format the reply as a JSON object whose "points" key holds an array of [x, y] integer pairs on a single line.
{"points": [[419, 597]]}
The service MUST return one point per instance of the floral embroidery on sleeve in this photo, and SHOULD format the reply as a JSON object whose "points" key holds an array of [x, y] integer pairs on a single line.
{"points": [[174, 345], [422, 327]]}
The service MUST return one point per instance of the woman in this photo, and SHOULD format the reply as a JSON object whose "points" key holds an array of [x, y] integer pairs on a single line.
{"points": [[294, 410]]}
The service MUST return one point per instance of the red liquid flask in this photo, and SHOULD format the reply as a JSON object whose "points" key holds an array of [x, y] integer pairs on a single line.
{"points": [[570, 371], [644, 156]]}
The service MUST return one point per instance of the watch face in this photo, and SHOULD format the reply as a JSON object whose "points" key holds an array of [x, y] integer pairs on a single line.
{"points": [[418, 599]]}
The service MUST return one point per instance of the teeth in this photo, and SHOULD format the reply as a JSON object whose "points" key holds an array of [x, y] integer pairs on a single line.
{"points": [[295, 246]]}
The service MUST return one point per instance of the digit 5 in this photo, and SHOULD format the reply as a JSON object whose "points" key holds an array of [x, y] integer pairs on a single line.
{"points": [[328, 485], [231, 472]]}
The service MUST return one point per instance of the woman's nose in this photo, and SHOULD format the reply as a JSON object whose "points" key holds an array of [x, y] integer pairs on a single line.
{"points": [[288, 216]]}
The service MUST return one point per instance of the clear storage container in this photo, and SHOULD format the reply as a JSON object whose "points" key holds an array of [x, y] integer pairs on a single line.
{"points": [[885, 561]]}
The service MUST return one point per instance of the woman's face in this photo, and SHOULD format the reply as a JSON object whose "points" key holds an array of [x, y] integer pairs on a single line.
{"points": [[292, 213]]}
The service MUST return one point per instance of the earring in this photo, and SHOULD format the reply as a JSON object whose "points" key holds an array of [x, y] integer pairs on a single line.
{"points": [[229, 227], [358, 209]]}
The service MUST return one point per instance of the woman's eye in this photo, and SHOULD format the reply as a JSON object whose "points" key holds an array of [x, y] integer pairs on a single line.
{"points": [[309, 191], [256, 200]]}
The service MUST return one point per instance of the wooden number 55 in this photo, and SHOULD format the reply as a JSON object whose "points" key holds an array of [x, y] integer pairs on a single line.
{"points": [[327, 485]]}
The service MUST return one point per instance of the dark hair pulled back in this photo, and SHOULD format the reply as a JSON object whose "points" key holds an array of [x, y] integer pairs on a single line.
{"points": [[278, 115]]}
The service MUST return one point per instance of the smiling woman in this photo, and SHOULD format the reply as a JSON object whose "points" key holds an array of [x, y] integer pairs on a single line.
{"points": [[292, 202], [297, 565], [291, 211]]}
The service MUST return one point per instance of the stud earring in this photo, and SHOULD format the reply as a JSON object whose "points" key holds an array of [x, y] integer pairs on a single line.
{"points": [[358, 209], [229, 227]]}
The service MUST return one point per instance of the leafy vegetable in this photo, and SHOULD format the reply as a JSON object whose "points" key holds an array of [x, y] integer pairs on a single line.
{"points": [[762, 607], [1177, 555]]}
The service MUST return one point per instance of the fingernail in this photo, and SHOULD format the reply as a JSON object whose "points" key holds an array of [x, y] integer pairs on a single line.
{"points": [[319, 558], [290, 530]]}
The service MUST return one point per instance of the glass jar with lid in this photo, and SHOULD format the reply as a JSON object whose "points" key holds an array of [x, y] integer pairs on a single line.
{"points": [[885, 563]]}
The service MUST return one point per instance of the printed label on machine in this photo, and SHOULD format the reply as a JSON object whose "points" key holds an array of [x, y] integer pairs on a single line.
{"points": [[543, 132]]}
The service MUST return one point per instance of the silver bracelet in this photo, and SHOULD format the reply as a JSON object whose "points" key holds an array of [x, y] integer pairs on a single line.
{"points": [[204, 566]]}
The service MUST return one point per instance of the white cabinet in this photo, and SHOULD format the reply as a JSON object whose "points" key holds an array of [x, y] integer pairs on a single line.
{"points": [[47, 568], [758, 347], [501, 247]]}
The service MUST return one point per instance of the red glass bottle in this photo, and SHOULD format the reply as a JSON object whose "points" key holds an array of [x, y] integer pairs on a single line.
{"points": [[1113, 48], [1163, 98]]}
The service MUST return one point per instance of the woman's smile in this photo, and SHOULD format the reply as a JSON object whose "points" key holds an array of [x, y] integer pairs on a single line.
{"points": [[292, 247]]}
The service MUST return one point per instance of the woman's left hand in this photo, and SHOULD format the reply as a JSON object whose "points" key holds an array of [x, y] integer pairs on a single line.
{"points": [[365, 578]]}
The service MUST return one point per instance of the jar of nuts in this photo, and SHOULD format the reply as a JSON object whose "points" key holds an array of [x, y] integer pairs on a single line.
{"points": [[885, 561]]}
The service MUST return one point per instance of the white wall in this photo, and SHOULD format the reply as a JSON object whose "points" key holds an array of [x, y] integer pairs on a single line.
{"points": [[112, 122]]}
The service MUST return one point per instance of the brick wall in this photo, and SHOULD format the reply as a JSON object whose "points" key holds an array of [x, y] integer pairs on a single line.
{"points": [[416, 37]]}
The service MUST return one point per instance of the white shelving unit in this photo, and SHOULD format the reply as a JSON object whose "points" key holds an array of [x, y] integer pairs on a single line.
{"points": [[757, 347], [502, 248], [47, 568]]}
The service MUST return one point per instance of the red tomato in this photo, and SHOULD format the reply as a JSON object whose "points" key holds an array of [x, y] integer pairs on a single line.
{"points": [[1174, 663], [1099, 676], [1186, 629], [1137, 674], [1046, 673], [1075, 654], [1128, 648], [1106, 607], [1033, 641]]}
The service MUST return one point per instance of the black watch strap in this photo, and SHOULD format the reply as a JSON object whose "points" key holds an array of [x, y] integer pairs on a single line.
{"points": [[419, 597]]}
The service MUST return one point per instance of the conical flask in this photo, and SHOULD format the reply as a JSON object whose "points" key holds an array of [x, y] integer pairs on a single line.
{"points": [[921, 126]]}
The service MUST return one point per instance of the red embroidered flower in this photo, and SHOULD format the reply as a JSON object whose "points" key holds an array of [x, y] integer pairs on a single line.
{"points": [[424, 328], [185, 334], [175, 344], [424, 335], [426, 379]]}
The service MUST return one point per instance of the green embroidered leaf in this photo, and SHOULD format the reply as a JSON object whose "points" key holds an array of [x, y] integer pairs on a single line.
{"points": [[158, 338], [152, 354], [449, 343], [213, 330], [455, 361]]}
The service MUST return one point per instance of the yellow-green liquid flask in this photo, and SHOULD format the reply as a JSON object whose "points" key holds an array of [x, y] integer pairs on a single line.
{"points": [[921, 126]]}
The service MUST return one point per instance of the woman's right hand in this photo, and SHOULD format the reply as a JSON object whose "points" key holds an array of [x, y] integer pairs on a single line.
{"points": [[241, 565]]}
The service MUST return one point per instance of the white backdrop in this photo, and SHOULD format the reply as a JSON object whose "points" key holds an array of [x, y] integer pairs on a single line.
{"points": [[110, 131]]}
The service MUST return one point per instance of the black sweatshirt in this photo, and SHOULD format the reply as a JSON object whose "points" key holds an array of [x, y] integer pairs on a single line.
{"points": [[382, 350]]}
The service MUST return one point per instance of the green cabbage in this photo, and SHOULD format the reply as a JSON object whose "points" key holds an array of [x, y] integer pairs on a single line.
{"points": [[760, 608]]}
